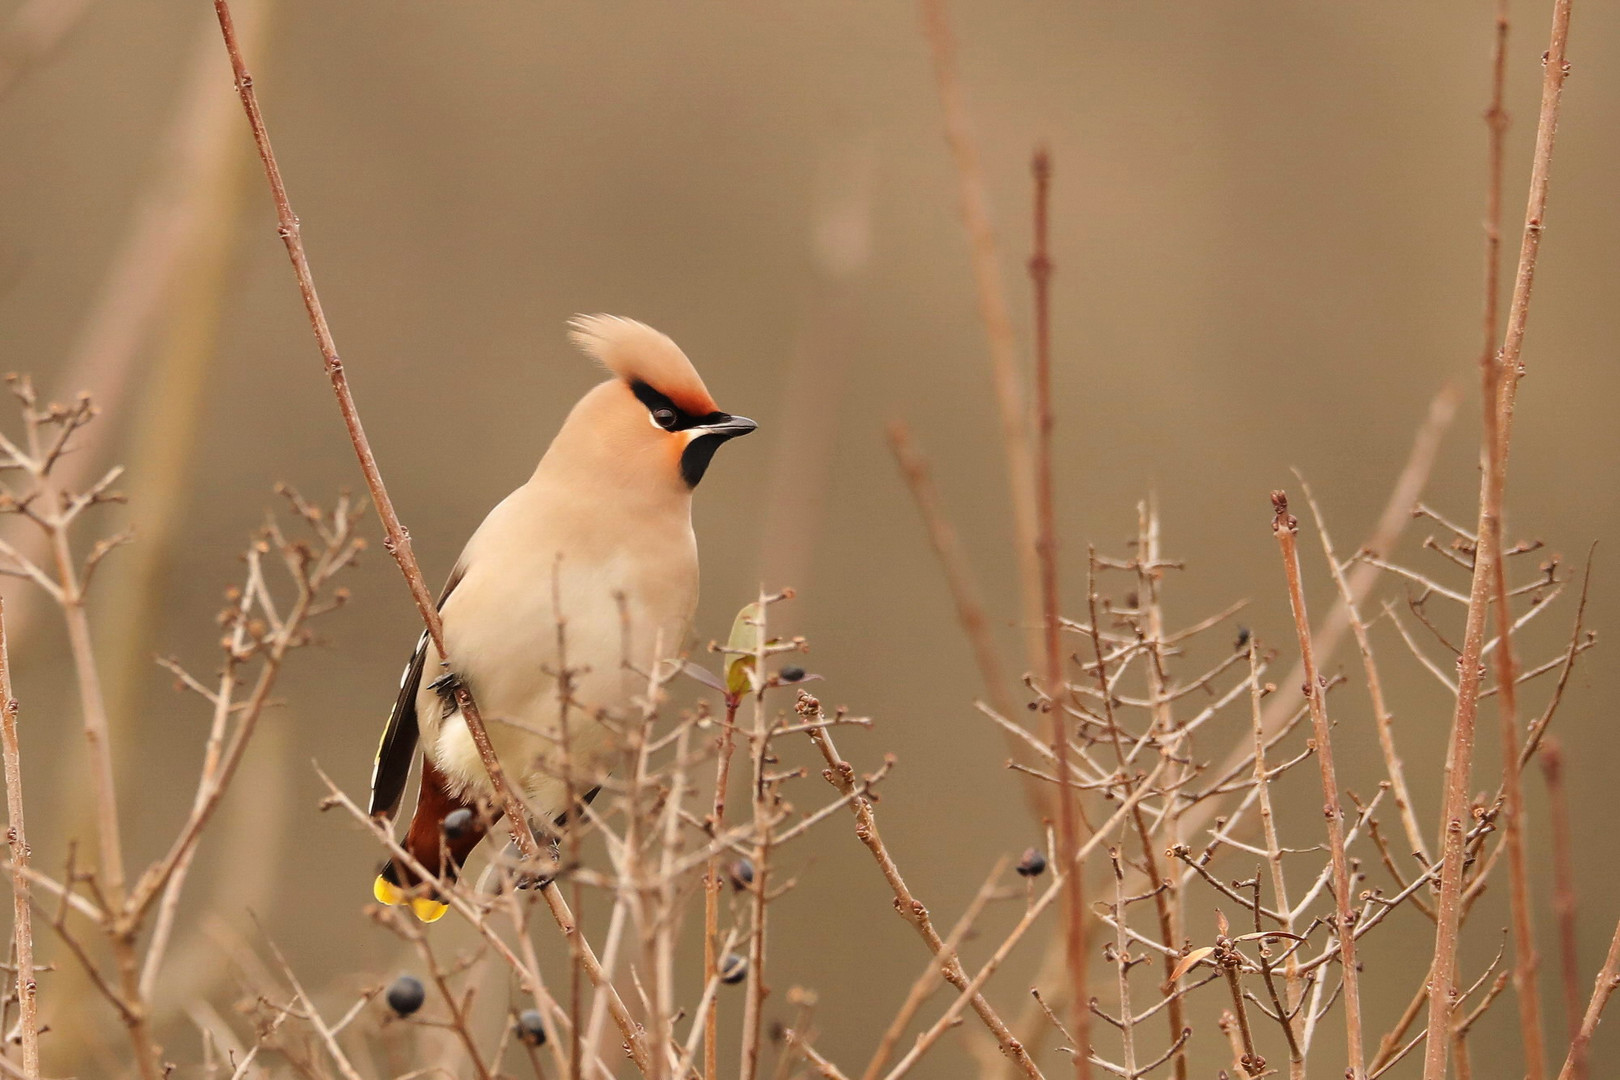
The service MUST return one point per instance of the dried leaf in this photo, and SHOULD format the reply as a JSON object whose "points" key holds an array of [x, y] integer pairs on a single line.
{"points": [[1190, 961]]}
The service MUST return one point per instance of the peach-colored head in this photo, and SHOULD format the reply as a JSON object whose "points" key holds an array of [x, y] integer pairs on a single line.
{"points": [[653, 427]]}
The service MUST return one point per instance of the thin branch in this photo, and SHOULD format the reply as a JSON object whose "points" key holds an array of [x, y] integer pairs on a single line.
{"points": [[17, 838], [993, 310], [1499, 411], [841, 775], [1552, 767], [1608, 981], [1074, 921], [398, 541], [1375, 687], [1286, 529], [964, 590], [929, 980]]}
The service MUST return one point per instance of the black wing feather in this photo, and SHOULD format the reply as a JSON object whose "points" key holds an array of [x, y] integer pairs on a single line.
{"points": [[397, 750]]}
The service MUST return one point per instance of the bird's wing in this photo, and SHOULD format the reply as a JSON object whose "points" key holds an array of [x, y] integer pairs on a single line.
{"points": [[398, 746]]}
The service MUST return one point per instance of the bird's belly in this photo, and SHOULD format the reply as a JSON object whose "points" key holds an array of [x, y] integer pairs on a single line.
{"points": [[502, 629]]}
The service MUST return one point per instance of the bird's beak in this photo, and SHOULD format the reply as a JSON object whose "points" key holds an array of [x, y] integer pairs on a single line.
{"points": [[704, 439], [729, 428]]}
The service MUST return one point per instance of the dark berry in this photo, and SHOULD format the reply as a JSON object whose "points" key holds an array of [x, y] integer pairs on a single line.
{"points": [[406, 994], [733, 969], [1033, 864], [530, 1029], [457, 822], [742, 874], [791, 673]]}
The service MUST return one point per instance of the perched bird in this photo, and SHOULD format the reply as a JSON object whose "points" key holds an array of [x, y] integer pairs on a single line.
{"points": [[600, 535]]}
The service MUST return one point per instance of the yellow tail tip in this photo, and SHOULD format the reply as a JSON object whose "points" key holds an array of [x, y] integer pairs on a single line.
{"points": [[428, 910], [387, 892]]}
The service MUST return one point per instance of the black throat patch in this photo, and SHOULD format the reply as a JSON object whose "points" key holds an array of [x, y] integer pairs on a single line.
{"points": [[699, 452]]}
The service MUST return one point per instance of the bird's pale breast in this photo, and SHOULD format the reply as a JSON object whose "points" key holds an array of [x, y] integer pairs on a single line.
{"points": [[622, 600]]}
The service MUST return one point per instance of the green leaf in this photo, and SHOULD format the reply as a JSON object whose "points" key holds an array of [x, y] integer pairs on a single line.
{"points": [[742, 648]]}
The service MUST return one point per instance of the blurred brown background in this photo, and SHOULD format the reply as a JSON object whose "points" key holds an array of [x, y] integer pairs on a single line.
{"points": [[1267, 233]]}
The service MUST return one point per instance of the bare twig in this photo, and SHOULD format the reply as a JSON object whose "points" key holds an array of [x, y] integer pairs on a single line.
{"points": [[965, 594], [1287, 529], [841, 775], [1524, 945], [1375, 687], [17, 839], [1498, 432], [1074, 915], [929, 980], [1552, 767], [712, 886], [970, 989], [1608, 981], [398, 540], [993, 309]]}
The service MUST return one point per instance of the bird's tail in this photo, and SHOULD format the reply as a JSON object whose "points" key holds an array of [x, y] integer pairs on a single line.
{"points": [[444, 830]]}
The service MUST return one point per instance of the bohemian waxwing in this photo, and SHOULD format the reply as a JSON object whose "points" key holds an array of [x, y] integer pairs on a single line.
{"points": [[605, 526]]}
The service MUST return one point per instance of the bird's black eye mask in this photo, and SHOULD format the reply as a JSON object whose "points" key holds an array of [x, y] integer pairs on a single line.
{"points": [[668, 415], [699, 452]]}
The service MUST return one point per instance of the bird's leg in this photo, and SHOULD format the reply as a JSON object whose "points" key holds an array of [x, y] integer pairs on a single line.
{"points": [[522, 877], [446, 686], [567, 819]]}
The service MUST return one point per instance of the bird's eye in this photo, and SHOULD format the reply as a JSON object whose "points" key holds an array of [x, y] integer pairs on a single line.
{"points": [[664, 418]]}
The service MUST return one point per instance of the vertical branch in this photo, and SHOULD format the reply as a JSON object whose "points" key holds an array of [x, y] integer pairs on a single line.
{"points": [[1074, 926], [712, 886], [17, 839], [1166, 901], [1294, 987], [1525, 959], [1286, 528], [993, 310], [1502, 380], [92, 703], [1122, 960], [759, 751], [1552, 766]]}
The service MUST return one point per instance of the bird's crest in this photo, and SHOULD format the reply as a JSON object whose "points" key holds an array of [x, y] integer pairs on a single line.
{"points": [[635, 352]]}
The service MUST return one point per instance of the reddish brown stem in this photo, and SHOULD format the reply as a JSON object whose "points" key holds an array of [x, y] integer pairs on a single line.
{"points": [[1552, 767], [1525, 959], [1502, 380], [1074, 926]]}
